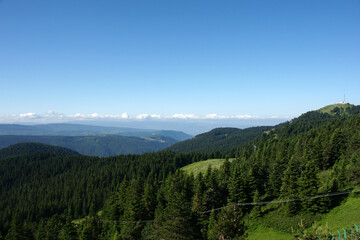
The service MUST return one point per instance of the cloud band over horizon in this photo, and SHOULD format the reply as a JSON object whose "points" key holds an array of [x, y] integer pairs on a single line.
{"points": [[52, 116]]}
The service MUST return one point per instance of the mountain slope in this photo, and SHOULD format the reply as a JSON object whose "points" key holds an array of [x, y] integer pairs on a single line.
{"points": [[340, 109], [106, 145], [26, 148], [314, 155], [219, 139], [67, 129]]}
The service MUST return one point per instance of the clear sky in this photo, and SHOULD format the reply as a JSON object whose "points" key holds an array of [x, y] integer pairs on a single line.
{"points": [[230, 58]]}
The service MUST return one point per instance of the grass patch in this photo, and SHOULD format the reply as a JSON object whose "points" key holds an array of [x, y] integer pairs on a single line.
{"points": [[202, 166], [277, 219], [343, 216], [329, 109], [261, 232]]}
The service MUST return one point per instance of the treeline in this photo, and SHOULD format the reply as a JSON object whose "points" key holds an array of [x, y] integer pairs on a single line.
{"points": [[323, 160], [26, 148], [312, 155], [39, 185], [218, 139]]}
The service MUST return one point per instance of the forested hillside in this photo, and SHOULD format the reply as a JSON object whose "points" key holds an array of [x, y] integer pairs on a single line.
{"points": [[26, 148], [39, 186], [98, 145], [219, 139], [46, 196]]}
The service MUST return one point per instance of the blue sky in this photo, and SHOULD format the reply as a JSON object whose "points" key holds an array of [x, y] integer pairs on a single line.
{"points": [[229, 58]]}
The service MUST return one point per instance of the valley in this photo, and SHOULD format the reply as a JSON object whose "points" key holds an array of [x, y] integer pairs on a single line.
{"points": [[195, 195]]}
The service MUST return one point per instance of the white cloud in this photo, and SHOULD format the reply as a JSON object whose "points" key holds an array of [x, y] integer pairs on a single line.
{"points": [[142, 116], [52, 116], [124, 115], [183, 116], [28, 116]]}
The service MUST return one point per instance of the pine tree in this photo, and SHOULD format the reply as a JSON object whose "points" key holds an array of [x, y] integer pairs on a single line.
{"points": [[308, 186], [134, 211], [335, 148], [197, 204], [91, 230], [256, 211], [229, 224], [149, 200], [211, 231], [68, 231], [176, 220], [289, 187], [211, 194], [19, 231], [237, 187]]}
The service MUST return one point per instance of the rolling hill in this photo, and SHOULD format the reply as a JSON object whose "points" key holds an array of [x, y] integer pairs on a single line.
{"points": [[294, 184], [218, 139], [340, 109], [67, 129], [26, 148], [98, 145]]}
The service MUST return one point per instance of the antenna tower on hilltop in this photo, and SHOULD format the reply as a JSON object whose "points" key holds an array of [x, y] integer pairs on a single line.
{"points": [[344, 99]]}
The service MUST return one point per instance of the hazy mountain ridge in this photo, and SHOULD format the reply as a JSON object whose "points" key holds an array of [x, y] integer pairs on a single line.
{"points": [[218, 139], [68, 129], [26, 148], [97, 145], [310, 155], [91, 140]]}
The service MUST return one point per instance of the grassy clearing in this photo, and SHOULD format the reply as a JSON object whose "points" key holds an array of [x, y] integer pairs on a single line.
{"points": [[329, 108], [343, 216], [261, 232], [202, 166]]}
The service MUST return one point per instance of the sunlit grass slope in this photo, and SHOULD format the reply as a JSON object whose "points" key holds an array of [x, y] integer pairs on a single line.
{"points": [[330, 108], [267, 233], [202, 166], [343, 216]]}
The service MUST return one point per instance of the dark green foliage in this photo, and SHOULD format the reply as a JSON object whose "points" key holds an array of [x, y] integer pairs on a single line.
{"points": [[19, 230], [219, 139], [50, 228], [91, 230], [68, 231], [289, 187], [38, 185], [26, 148], [229, 224], [237, 187], [146, 197], [175, 220], [308, 186]]}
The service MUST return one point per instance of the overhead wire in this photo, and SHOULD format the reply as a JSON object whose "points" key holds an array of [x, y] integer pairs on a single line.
{"points": [[285, 200], [333, 194]]}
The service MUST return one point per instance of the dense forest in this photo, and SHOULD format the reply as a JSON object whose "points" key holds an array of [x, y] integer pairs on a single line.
{"points": [[52, 196], [26, 148], [218, 139]]}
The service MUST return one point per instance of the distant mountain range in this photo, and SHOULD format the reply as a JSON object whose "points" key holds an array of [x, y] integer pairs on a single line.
{"points": [[109, 141], [67, 129], [91, 140], [316, 154], [97, 145]]}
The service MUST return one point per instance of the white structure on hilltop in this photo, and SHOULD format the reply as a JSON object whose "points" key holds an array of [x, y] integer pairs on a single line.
{"points": [[343, 102]]}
